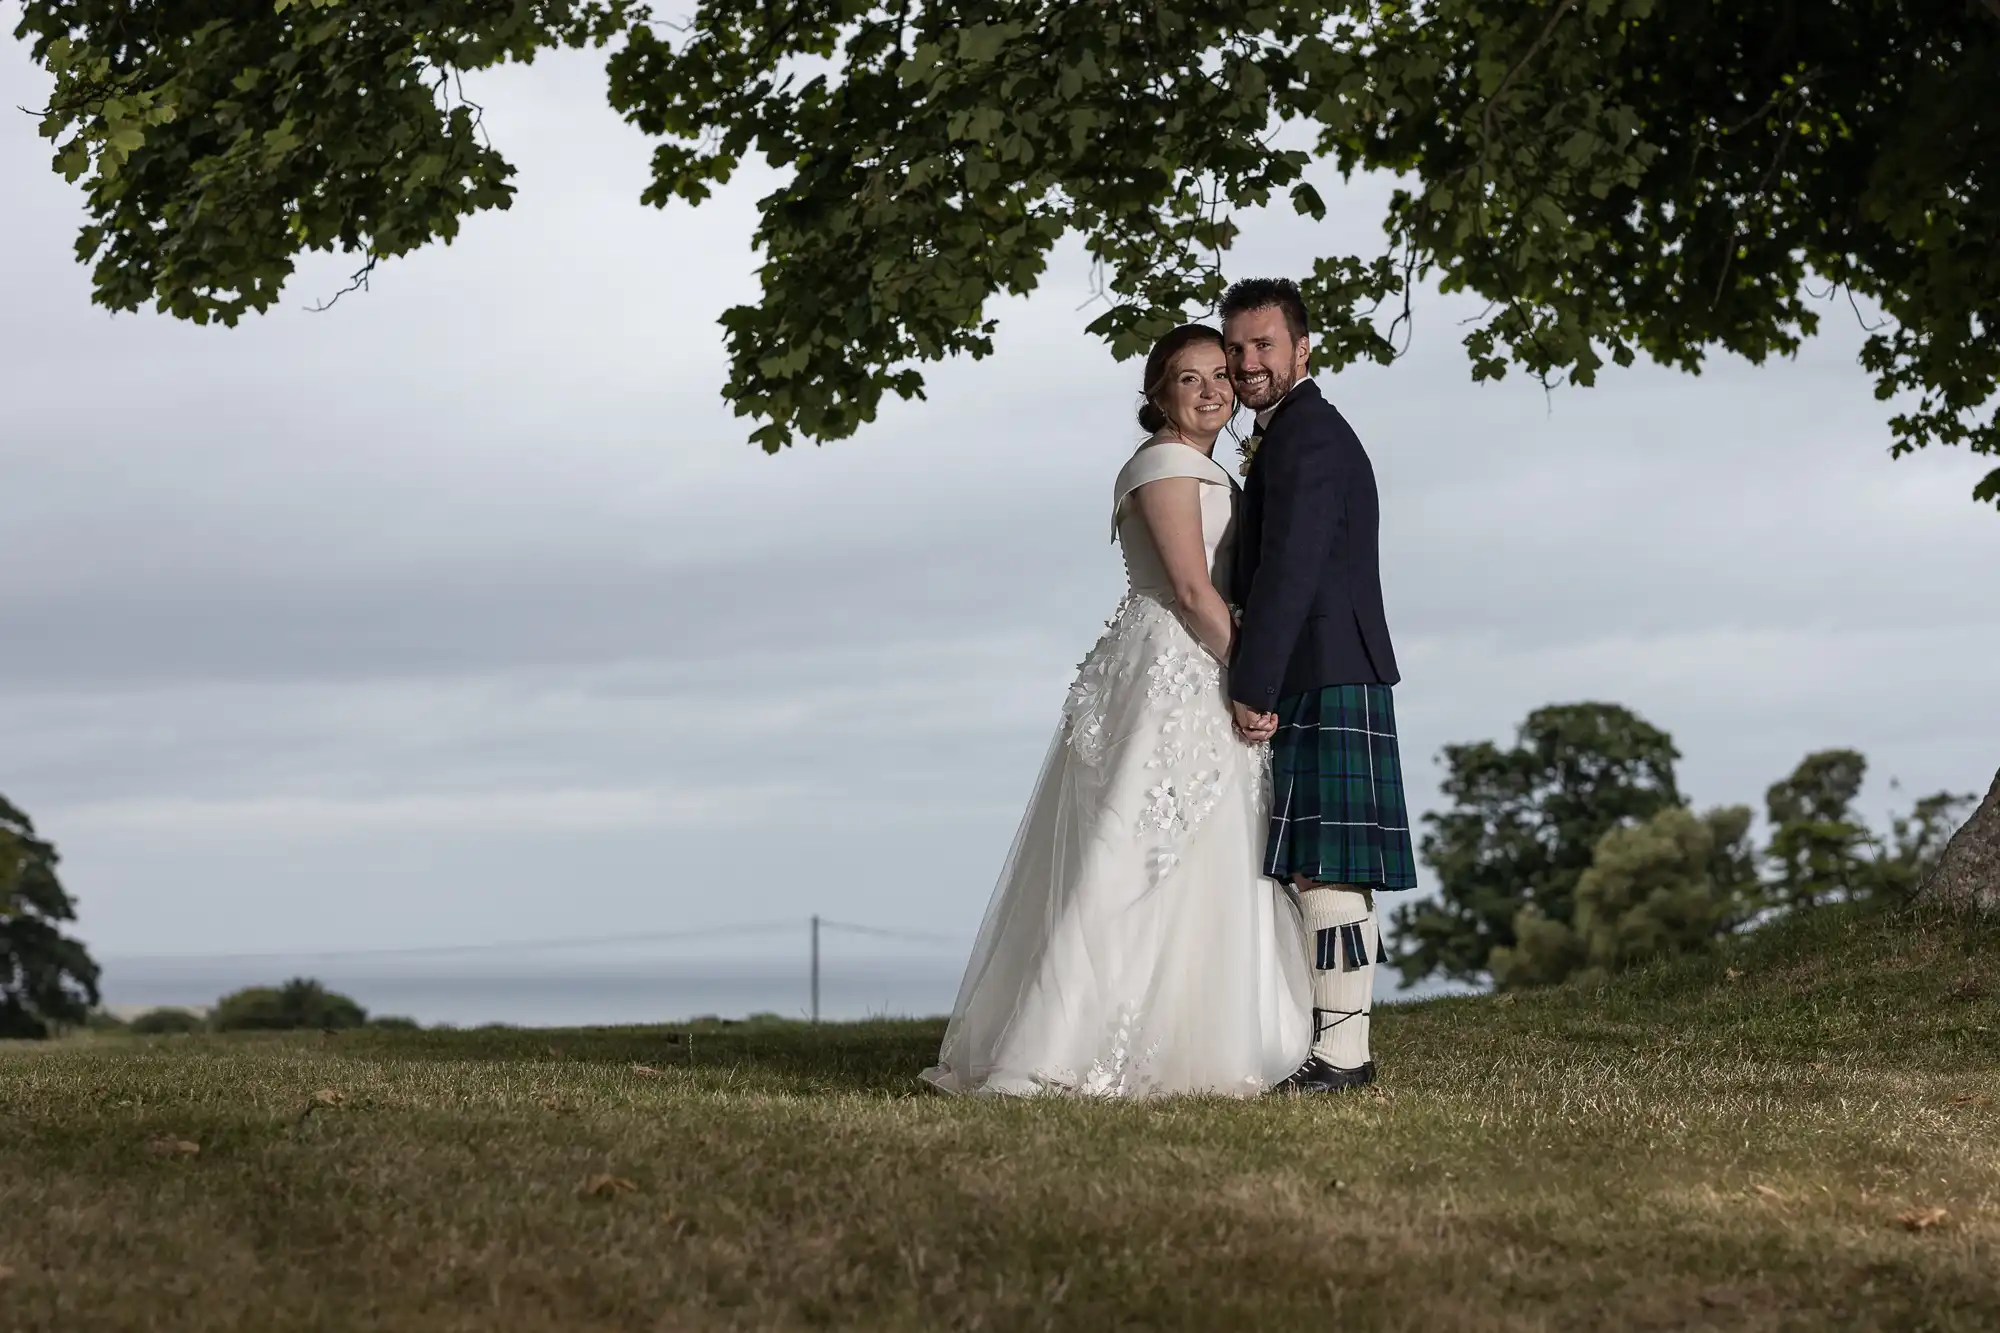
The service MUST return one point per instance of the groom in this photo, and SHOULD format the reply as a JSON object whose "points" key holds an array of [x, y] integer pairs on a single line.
{"points": [[1312, 670]]}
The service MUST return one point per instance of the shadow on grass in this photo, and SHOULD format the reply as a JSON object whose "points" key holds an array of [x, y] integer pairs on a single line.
{"points": [[1900, 989], [882, 1056]]}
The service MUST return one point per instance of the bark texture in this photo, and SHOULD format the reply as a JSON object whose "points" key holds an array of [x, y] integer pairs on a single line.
{"points": [[1967, 877]]}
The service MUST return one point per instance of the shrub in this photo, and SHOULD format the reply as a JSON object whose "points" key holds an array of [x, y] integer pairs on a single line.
{"points": [[1670, 885], [395, 1023], [298, 1004], [156, 1022]]}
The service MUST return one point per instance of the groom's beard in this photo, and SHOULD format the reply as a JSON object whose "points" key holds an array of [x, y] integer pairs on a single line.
{"points": [[1265, 393]]}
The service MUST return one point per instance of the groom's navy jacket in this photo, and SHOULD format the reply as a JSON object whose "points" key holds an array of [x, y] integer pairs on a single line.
{"points": [[1308, 569]]}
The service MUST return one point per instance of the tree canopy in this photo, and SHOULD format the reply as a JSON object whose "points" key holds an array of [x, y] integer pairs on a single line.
{"points": [[1573, 851], [46, 978], [1522, 827], [1615, 178], [299, 1003], [1673, 884]]}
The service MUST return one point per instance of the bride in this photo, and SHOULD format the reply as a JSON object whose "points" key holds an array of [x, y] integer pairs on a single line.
{"points": [[1132, 948]]}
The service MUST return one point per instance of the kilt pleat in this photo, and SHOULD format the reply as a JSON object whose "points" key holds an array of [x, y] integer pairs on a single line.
{"points": [[1338, 813]]}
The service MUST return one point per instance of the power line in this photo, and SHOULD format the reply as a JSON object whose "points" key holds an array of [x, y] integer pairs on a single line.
{"points": [[496, 946], [816, 923], [821, 923], [569, 942], [913, 936]]}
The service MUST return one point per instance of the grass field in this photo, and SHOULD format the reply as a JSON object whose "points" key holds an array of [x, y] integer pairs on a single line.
{"points": [[1804, 1134]]}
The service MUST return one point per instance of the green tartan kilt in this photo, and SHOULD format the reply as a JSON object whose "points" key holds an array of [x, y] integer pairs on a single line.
{"points": [[1337, 809]]}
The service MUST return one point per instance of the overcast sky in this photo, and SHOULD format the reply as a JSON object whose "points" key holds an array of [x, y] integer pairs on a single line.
{"points": [[463, 612]]}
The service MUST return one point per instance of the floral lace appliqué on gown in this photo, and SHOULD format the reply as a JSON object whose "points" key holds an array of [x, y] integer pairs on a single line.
{"points": [[1131, 948], [1190, 733]]}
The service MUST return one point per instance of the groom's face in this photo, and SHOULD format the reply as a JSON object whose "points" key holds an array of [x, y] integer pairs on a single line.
{"points": [[1265, 361]]}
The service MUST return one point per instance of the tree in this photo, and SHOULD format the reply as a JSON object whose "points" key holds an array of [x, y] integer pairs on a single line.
{"points": [[1821, 851], [1614, 177], [299, 1004], [46, 978], [1673, 884], [1522, 828], [1817, 841], [164, 1022], [1967, 874], [1675, 881], [1917, 842]]}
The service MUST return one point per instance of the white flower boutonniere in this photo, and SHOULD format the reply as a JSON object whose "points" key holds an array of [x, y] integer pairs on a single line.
{"points": [[1248, 448]]}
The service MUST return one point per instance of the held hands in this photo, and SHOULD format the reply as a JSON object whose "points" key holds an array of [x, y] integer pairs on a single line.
{"points": [[1252, 727]]}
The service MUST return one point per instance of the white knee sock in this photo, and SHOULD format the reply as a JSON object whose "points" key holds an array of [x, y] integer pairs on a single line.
{"points": [[1344, 942]]}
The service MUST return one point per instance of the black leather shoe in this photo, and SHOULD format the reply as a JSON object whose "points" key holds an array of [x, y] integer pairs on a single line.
{"points": [[1316, 1075]]}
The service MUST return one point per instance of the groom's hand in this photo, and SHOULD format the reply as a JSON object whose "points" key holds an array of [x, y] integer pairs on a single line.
{"points": [[1254, 727]]}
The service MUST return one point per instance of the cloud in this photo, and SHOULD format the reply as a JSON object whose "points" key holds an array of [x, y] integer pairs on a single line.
{"points": [[463, 609], [542, 811]]}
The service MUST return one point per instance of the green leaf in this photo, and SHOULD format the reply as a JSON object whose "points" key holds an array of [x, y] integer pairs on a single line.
{"points": [[1611, 176], [73, 160]]}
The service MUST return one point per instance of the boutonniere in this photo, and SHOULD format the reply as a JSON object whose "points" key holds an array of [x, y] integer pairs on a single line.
{"points": [[1248, 448]]}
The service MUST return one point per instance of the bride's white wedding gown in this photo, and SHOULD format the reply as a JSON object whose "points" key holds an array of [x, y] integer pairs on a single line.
{"points": [[1132, 948]]}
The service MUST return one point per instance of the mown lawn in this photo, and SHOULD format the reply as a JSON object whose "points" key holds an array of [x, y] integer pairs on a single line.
{"points": [[1728, 1143]]}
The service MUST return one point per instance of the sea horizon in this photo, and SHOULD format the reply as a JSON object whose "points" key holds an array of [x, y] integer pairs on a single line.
{"points": [[580, 992]]}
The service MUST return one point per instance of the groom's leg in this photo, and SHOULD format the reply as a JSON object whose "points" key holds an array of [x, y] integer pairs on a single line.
{"points": [[1345, 941]]}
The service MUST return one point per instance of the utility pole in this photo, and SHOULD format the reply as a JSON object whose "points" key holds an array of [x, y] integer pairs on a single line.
{"points": [[815, 967]]}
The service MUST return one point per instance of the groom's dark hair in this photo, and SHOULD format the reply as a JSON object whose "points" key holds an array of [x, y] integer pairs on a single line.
{"points": [[1262, 294]]}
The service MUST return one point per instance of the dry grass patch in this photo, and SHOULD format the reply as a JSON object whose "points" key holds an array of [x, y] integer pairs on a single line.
{"points": [[1811, 1145]]}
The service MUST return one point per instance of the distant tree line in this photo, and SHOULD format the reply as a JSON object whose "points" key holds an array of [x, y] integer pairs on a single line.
{"points": [[49, 982], [299, 1005], [1570, 853], [1573, 852]]}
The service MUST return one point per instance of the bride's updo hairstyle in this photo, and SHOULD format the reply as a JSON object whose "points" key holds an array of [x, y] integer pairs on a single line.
{"points": [[1151, 419]]}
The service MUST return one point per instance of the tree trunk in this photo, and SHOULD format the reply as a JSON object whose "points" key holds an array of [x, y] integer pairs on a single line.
{"points": [[1968, 874]]}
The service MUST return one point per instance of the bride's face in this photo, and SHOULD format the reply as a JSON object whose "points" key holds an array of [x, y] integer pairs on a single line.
{"points": [[1197, 397]]}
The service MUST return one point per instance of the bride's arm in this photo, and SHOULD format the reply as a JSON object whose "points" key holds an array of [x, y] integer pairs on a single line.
{"points": [[1171, 508]]}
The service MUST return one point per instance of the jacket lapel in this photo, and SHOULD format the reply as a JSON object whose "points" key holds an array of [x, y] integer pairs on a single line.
{"points": [[1304, 390]]}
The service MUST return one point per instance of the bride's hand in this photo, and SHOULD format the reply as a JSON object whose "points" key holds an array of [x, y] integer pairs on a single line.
{"points": [[1253, 727]]}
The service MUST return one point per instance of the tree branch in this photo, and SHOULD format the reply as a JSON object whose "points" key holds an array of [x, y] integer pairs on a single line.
{"points": [[1548, 30], [358, 283]]}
